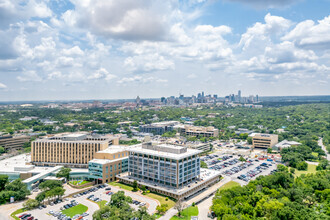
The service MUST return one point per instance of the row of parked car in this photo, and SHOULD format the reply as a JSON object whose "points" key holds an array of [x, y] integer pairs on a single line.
{"points": [[238, 168], [225, 164], [94, 198], [252, 173], [26, 216], [94, 189], [135, 202]]}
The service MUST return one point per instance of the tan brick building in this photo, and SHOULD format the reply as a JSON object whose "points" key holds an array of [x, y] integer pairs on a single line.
{"points": [[198, 131], [264, 140], [71, 150], [108, 163]]}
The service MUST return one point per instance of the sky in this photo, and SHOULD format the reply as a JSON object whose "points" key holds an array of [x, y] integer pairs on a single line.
{"points": [[110, 49]]}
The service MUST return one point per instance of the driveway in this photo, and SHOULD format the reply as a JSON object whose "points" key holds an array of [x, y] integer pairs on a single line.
{"points": [[320, 142], [92, 206]]}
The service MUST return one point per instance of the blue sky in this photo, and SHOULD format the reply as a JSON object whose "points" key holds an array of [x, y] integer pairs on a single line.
{"points": [[106, 49]]}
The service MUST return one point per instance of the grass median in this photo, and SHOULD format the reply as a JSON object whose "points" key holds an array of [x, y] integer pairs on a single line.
{"points": [[187, 213], [78, 209]]}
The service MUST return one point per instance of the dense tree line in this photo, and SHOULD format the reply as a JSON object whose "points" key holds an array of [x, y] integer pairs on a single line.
{"points": [[16, 189], [299, 121], [277, 196], [296, 156]]}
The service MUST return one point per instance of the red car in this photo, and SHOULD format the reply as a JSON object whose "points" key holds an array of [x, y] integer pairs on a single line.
{"points": [[22, 215], [30, 218]]}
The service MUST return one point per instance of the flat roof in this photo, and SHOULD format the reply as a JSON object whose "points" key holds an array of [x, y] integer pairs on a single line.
{"points": [[105, 161], [114, 149], [42, 174], [175, 156]]}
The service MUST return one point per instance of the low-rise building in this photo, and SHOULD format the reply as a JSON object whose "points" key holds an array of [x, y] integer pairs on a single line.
{"points": [[9, 142], [197, 131], [108, 163], [158, 128], [284, 144], [264, 140]]}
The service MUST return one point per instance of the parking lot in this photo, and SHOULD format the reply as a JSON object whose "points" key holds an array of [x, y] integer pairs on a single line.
{"points": [[88, 199], [241, 172]]}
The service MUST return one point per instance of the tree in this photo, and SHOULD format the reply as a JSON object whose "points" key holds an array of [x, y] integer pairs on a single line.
{"points": [[30, 204], [119, 199], [269, 150], [135, 186], [64, 172], [179, 206], [3, 181], [2, 150], [282, 168], [292, 170], [143, 188], [203, 165], [302, 165], [41, 197], [162, 208], [50, 184], [249, 140], [323, 165], [19, 188], [242, 159]]}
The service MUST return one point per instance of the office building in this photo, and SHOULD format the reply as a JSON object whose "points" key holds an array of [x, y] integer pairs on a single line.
{"points": [[163, 164], [264, 140], [71, 150], [197, 131], [170, 170], [9, 142], [158, 128], [108, 163]]}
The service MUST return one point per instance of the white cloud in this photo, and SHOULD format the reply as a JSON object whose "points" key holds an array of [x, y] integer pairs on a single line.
{"points": [[29, 76], [307, 34], [148, 63], [125, 19], [102, 73], [73, 51], [2, 86], [141, 79]]}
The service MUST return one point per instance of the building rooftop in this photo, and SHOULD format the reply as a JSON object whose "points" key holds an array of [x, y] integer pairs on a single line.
{"points": [[166, 151], [286, 143], [114, 149], [105, 161]]}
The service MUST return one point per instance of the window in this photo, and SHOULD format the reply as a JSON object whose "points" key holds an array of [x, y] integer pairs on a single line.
{"points": [[114, 156]]}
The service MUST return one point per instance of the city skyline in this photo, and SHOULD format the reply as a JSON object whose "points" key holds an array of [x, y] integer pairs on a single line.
{"points": [[62, 50]]}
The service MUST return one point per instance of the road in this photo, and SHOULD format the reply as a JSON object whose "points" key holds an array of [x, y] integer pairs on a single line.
{"points": [[320, 142], [171, 212]]}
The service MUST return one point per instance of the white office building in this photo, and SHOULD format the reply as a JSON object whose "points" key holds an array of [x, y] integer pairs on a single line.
{"points": [[164, 164]]}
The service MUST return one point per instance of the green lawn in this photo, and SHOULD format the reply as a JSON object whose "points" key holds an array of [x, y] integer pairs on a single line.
{"points": [[187, 213], [79, 182], [310, 169], [18, 211], [315, 154], [162, 199], [121, 185], [102, 203], [229, 185], [78, 209]]}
